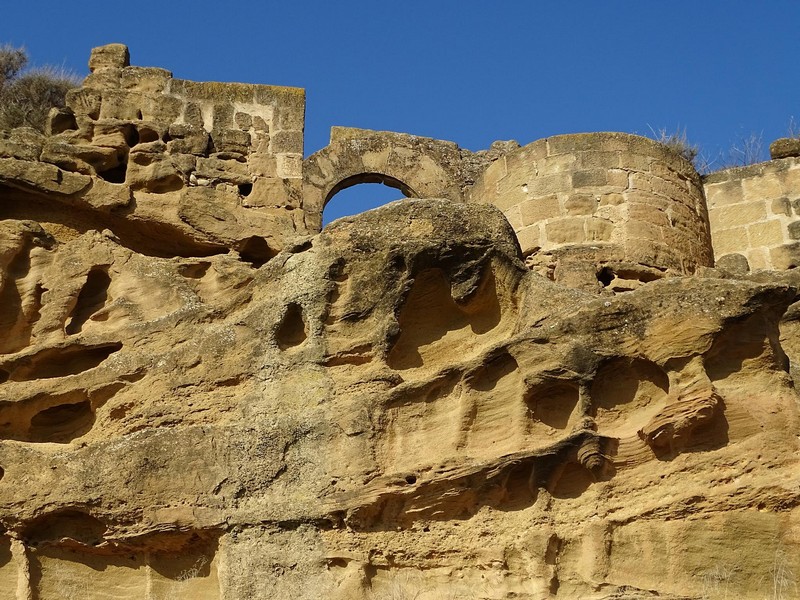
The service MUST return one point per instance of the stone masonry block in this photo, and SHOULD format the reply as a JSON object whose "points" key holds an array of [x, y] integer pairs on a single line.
{"points": [[726, 241], [790, 180], [514, 216], [580, 204], [556, 164], [599, 160], [758, 259], [287, 141], [290, 165], [533, 152], [781, 207], [766, 187], [612, 199], [739, 214], [529, 239], [722, 194], [786, 256], [568, 230], [145, 79], [643, 231], [794, 230], [594, 177], [618, 178], [648, 214], [109, 56], [540, 209], [599, 230], [263, 165], [550, 184], [768, 233]]}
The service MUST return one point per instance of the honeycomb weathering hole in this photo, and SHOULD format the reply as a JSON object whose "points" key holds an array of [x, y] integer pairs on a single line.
{"points": [[92, 297], [433, 324], [292, 330], [62, 423], [61, 362], [626, 394], [256, 251], [72, 524], [552, 403]]}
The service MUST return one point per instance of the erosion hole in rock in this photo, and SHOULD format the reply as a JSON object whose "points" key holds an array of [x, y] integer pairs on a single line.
{"points": [[61, 362], [411, 479], [92, 297], [626, 394], [292, 330], [15, 327], [4, 375], [194, 270], [115, 174], [605, 276], [147, 134], [245, 189], [72, 524], [486, 378], [744, 345], [256, 251], [154, 566], [131, 135], [571, 482], [552, 403], [432, 324], [363, 192], [61, 424]]}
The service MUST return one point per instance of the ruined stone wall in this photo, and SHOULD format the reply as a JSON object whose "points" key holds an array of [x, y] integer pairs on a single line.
{"points": [[606, 200], [241, 138], [755, 212], [198, 399]]}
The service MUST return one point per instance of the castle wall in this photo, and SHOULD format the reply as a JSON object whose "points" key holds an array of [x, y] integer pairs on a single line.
{"points": [[142, 127], [754, 212], [606, 198]]}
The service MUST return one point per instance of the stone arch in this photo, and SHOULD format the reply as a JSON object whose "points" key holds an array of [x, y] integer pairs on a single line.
{"points": [[419, 167], [386, 180]]}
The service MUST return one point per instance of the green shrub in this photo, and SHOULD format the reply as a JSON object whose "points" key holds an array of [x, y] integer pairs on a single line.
{"points": [[26, 96]]}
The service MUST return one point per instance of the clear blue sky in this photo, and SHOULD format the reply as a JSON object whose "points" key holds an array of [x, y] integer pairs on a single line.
{"points": [[467, 71]]}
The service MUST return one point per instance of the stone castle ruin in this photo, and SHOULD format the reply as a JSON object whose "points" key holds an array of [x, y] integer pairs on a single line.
{"points": [[561, 370]]}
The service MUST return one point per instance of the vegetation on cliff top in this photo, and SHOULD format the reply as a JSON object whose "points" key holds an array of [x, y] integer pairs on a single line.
{"points": [[27, 95]]}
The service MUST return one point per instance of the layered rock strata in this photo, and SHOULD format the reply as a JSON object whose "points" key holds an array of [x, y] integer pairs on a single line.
{"points": [[200, 398]]}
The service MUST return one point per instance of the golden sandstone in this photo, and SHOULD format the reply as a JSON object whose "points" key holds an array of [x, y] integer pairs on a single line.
{"points": [[528, 380]]}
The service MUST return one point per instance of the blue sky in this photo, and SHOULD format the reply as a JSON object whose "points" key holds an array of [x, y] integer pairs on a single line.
{"points": [[467, 71]]}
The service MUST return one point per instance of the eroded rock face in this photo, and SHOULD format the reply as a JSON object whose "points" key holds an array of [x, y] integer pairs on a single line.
{"points": [[199, 402], [394, 404]]}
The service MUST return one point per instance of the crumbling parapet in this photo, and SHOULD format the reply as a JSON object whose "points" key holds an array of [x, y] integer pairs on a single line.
{"points": [[611, 207], [225, 159]]}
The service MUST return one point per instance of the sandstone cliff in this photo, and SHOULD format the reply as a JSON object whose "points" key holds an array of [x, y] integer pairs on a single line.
{"points": [[202, 396]]}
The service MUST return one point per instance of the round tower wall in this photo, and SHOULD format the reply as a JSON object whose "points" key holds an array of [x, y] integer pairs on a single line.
{"points": [[602, 198]]}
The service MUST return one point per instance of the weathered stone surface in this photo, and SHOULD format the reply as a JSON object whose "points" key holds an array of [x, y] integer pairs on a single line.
{"points": [[109, 56], [784, 148], [203, 396]]}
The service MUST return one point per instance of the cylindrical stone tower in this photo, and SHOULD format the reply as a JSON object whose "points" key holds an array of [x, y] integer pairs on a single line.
{"points": [[601, 209]]}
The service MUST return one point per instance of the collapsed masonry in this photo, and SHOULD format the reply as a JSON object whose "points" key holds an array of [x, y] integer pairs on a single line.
{"points": [[533, 385]]}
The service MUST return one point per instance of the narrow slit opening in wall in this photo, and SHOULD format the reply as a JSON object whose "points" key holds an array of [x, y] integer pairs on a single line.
{"points": [[360, 193]]}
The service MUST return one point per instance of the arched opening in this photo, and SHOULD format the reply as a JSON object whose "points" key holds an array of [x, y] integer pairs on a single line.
{"points": [[362, 192]]}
